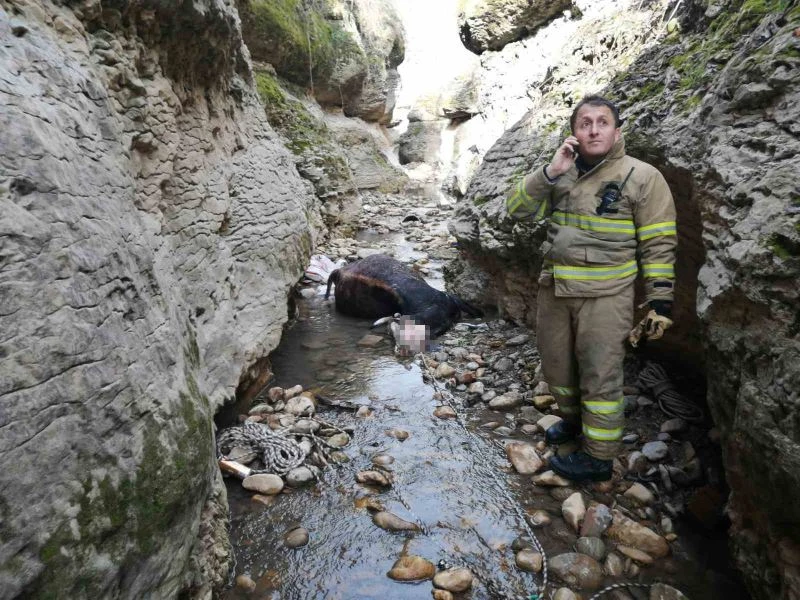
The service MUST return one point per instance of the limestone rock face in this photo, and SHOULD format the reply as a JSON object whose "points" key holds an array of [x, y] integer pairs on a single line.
{"points": [[491, 24], [346, 53], [720, 120], [150, 231]]}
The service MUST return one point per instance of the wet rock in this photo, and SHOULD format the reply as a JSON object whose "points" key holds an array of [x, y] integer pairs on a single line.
{"points": [[530, 414], [390, 522], [503, 431], [529, 560], [635, 554], [676, 425], [398, 434], [245, 583], [477, 388], [305, 426], [655, 451], [507, 401], [662, 591], [539, 518], [488, 396], [503, 364], [442, 595], [339, 440], [630, 438], [542, 402], [547, 421], [598, 518], [411, 568], [591, 546], [300, 406], [364, 412], [637, 462], [370, 341], [550, 479], [296, 538], [263, 483], [444, 371], [518, 340], [382, 460], [573, 509], [666, 525], [577, 570], [291, 392], [664, 437], [541, 389], [524, 457], [453, 580], [299, 476], [259, 409], [565, 594], [444, 412], [628, 532], [263, 500], [641, 495], [376, 478], [466, 377], [614, 565]]}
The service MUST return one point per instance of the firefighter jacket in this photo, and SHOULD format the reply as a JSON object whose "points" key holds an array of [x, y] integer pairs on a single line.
{"points": [[597, 248]]}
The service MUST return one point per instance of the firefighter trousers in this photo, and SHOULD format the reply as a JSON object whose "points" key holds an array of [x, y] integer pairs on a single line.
{"points": [[582, 346]]}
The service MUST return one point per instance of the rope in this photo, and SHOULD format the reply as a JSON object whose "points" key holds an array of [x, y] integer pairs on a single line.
{"points": [[619, 586], [671, 402], [278, 453], [541, 593]]}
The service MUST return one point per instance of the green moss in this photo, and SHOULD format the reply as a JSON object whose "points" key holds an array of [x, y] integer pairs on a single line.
{"points": [[480, 200], [128, 520], [783, 247], [298, 40]]}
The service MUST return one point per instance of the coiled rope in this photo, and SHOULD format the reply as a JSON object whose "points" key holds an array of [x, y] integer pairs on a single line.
{"points": [[279, 453], [671, 402]]}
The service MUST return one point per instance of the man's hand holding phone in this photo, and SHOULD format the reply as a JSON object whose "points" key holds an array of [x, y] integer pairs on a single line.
{"points": [[564, 158]]}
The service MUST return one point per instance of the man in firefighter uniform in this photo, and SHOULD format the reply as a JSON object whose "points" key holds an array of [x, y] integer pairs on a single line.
{"points": [[611, 217]]}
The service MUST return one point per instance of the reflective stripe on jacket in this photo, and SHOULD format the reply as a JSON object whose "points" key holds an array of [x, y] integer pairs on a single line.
{"points": [[590, 255]]}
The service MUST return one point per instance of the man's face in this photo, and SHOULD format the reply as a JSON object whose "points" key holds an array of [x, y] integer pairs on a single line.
{"points": [[595, 130]]}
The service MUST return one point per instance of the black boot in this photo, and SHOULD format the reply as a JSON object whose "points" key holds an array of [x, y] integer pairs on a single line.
{"points": [[561, 432], [580, 466]]}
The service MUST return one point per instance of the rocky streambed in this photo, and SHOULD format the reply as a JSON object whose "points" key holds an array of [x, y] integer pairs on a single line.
{"points": [[427, 477]]}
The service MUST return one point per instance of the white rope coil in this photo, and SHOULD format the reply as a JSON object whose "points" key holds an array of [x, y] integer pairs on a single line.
{"points": [[279, 453]]}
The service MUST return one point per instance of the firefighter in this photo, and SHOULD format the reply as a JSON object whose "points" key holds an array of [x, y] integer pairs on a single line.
{"points": [[611, 217]]}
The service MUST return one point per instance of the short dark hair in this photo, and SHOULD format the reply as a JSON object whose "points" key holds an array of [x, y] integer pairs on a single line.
{"points": [[595, 100]]}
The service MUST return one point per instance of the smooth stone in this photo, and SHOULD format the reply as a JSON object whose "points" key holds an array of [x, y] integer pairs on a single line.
{"points": [[370, 341], [398, 434], [614, 565], [565, 594], [631, 438], [676, 425], [591, 546], [292, 392], [547, 421], [299, 476], [296, 538], [524, 457], [382, 460], [339, 440], [596, 521], [442, 595], [577, 570], [300, 406], [444, 412], [453, 580], [305, 426], [411, 568], [264, 483], [539, 518], [477, 388], [637, 462], [245, 582], [506, 401], [529, 560], [542, 402], [635, 554], [518, 340], [573, 509], [629, 533], [639, 494], [655, 451], [377, 478], [444, 371], [390, 522], [489, 396], [550, 479], [276, 393]]}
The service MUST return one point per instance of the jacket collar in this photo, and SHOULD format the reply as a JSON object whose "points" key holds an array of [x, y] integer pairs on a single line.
{"points": [[617, 151]]}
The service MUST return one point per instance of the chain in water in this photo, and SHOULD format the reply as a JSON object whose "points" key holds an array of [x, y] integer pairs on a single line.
{"points": [[542, 593]]}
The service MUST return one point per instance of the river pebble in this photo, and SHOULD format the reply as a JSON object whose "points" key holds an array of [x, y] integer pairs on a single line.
{"points": [[453, 580], [445, 412], [300, 406], [377, 478], [524, 457], [391, 522], [639, 494], [655, 451], [299, 476], [529, 560], [573, 509], [296, 538], [263, 483], [614, 566], [596, 521], [630, 533], [565, 594], [412, 568], [635, 554], [591, 546], [662, 591], [245, 583], [577, 570], [549, 478]]}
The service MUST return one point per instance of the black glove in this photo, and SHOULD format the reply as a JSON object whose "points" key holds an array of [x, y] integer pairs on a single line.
{"points": [[662, 307]]}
